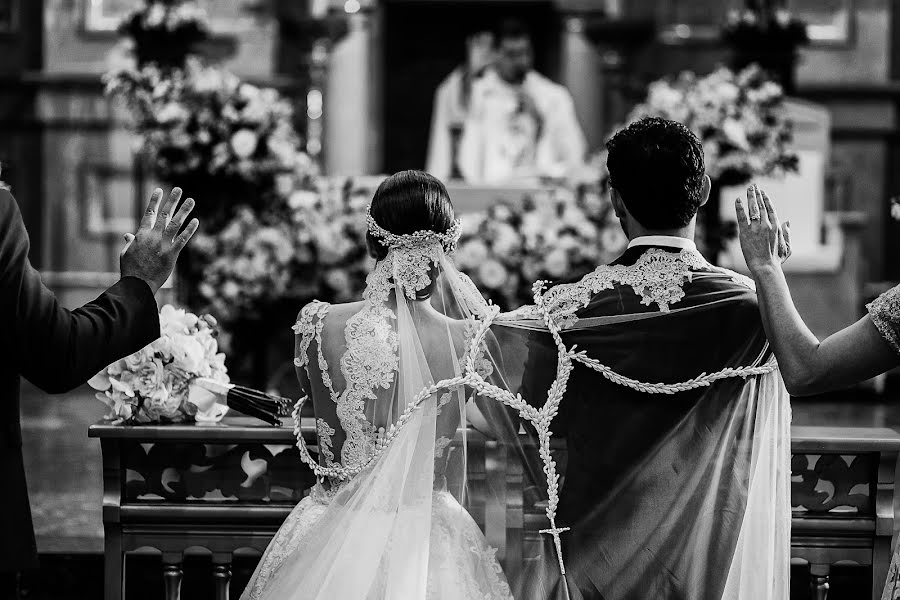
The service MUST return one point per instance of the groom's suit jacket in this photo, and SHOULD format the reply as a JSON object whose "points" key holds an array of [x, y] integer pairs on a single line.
{"points": [[608, 428], [55, 349]]}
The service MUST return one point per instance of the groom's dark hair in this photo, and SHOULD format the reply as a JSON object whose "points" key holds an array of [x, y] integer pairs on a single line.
{"points": [[407, 202], [657, 167]]}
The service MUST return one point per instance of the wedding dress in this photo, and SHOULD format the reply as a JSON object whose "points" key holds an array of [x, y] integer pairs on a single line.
{"points": [[386, 519]]}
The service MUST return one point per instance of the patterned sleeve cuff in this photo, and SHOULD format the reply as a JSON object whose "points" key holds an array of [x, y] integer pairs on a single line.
{"points": [[885, 314]]}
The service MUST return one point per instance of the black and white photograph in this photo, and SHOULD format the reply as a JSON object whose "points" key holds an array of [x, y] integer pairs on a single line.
{"points": [[449, 299]]}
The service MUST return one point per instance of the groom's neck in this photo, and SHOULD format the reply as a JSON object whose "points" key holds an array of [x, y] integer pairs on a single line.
{"points": [[635, 231]]}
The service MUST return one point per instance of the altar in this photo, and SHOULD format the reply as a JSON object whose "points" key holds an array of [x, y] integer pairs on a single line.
{"points": [[226, 488]]}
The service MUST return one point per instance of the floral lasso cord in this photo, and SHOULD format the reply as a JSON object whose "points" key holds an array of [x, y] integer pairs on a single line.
{"points": [[540, 418]]}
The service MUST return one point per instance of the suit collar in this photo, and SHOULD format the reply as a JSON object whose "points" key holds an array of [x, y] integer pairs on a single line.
{"points": [[663, 241]]}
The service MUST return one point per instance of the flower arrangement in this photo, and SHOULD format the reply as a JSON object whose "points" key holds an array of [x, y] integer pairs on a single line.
{"points": [[165, 32], [561, 236], [203, 120], [151, 385], [308, 244], [739, 118]]}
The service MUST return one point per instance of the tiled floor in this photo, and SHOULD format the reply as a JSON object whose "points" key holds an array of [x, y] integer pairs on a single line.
{"points": [[64, 469]]}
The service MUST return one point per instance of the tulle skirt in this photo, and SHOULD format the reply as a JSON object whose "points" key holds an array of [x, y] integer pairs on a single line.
{"points": [[892, 586], [461, 565]]}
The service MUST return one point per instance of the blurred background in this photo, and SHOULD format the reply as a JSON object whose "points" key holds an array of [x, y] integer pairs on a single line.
{"points": [[278, 116]]}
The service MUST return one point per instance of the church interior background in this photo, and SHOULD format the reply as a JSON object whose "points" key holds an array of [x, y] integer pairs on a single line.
{"points": [[361, 77]]}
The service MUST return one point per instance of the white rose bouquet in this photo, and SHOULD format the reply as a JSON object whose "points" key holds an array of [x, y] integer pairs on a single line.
{"points": [[151, 385]]}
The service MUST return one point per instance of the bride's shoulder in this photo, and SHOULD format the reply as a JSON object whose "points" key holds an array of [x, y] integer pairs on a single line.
{"points": [[315, 312]]}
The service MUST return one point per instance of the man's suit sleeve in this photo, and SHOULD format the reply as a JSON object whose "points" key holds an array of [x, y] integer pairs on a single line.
{"points": [[54, 348]]}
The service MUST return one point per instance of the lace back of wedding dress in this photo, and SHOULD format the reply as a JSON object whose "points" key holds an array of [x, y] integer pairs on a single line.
{"points": [[388, 519]]}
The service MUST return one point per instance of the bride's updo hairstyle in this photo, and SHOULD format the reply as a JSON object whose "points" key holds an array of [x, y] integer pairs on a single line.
{"points": [[407, 202]]}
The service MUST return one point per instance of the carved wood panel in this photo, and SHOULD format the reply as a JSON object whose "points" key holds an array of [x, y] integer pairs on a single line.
{"points": [[833, 484], [216, 473]]}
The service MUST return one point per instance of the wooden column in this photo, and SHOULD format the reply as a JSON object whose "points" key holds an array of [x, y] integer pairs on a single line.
{"points": [[818, 581], [172, 575], [221, 575]]}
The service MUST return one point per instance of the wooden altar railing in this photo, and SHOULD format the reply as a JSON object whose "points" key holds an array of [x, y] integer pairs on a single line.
{"points": [[228, 487]]}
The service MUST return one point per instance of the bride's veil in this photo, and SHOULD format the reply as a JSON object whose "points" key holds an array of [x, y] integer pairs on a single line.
{"points": [[396, 421]]}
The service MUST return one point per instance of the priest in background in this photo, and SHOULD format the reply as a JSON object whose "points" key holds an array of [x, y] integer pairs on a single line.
{"points": [[520, 125], [451, 104]]}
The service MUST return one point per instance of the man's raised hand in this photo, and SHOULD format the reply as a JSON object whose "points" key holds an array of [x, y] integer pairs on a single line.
{"points": [[151, 253]]}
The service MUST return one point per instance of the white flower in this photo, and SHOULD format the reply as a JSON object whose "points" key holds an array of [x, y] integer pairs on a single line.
{"points": [[244, 143], [492, 274], [230, 289], [471, 254], [123, 384], [556, 263], [191, 355], [255, 111], [171, 112], [155, 16], [339, 281], [162, 403], [149, 377], [100, 381], [505, 240], [175, 320], [735, 134], [303, 199], [284, 185], [248, 91]]}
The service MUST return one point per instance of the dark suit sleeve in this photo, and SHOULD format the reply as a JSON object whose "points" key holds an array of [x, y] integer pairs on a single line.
{"points": [[54, 348]]}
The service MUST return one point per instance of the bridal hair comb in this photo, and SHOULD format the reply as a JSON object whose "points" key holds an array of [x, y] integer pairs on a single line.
{"points": [[447, 239]]}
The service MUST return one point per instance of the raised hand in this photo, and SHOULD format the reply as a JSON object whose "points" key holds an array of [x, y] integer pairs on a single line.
{"points": [[151, 253], [764, 241]]}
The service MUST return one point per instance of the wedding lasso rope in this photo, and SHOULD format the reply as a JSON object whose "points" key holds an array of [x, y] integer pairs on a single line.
{"points": [[540, 418]]}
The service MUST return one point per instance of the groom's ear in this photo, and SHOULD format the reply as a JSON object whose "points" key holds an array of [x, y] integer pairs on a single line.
{"points": [[704, 190], [618, 205]]}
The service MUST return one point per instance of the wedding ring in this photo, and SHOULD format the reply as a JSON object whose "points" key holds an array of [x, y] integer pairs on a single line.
{"points": [[755, 217]]}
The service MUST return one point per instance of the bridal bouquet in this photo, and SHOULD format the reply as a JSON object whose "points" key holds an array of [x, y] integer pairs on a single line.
{"points": [[739, 118], [151, 385]]}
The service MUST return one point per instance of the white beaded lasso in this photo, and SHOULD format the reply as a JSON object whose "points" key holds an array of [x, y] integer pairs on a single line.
{"points": [[540, 418]]}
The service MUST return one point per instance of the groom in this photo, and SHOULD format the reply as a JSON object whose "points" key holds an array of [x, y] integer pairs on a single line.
{"points": [[657, 486]]}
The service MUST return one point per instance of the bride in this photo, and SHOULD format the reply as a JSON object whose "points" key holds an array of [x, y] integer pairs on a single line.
{"points": [[386, 518]]}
